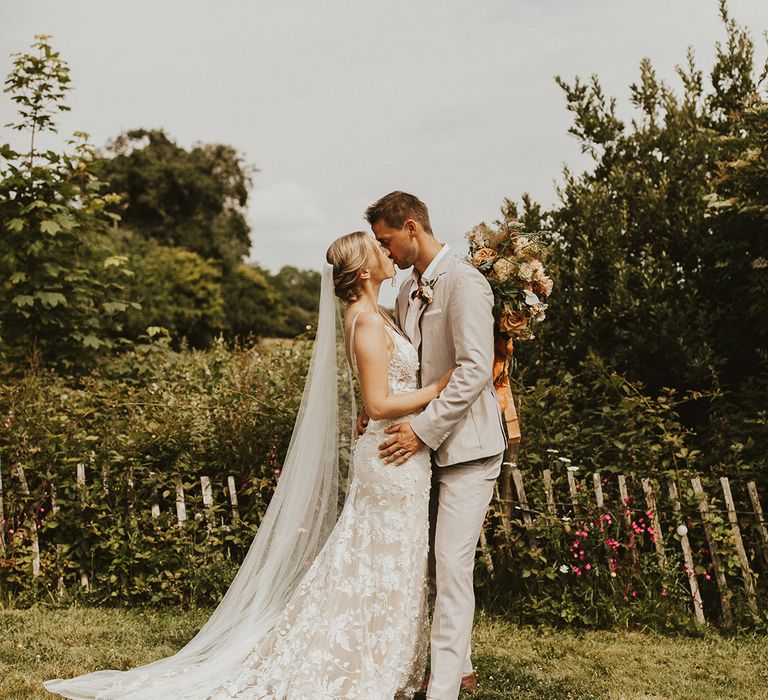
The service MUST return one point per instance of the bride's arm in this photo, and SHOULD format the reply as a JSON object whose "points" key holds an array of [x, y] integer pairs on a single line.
{"points": [[371, 353]]}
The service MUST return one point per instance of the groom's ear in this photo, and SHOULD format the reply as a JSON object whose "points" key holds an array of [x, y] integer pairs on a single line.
{"points": [[410, 227]]}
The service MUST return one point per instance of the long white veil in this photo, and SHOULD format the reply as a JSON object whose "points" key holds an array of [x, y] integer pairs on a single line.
{"points": [[295, 527]]}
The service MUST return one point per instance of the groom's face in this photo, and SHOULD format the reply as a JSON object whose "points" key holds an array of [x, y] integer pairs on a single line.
{"points": [[397, 243]]}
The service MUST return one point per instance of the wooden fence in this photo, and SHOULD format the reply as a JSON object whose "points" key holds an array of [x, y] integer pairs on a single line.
{"points": [[564, 493], [154, 510], [671, 523]]}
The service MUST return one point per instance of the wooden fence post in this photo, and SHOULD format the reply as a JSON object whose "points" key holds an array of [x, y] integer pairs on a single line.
{"points": [[690, 569], [80, 481], [573, 490], [548, 490], [233, 499], [600, 502], [205, 485], [505, 490], [722, 583], [598, 490], [181, 508], [658, 537], [34, 540], [487, 558], [754, 496], [2, 514], [736, 531], [625, 509], [55, 508], [517, 477]]}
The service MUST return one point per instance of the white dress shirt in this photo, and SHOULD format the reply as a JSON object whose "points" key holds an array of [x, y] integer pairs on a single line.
{"points": [[414, 302]]}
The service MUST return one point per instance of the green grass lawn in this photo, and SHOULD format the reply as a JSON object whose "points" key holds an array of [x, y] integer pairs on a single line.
{"points": [[520, 663]]}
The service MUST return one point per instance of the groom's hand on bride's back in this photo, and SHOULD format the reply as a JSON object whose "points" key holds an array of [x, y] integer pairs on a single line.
{"points": [[361, 424]]}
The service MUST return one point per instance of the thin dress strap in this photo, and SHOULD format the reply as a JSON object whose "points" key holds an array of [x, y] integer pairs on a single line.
{"points": [[390, 323], [351, 349]]}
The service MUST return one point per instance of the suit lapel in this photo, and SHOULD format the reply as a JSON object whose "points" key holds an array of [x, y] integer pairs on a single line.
{"points": [[442, 266], [402, 304], [417, 327]]}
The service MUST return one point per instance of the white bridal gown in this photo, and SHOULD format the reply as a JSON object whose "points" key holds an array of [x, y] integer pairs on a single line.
{"points": [[356, 627], [347, 624]]}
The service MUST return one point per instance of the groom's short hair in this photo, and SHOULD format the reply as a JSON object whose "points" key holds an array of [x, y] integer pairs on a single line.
{"points": [[396, 208]]}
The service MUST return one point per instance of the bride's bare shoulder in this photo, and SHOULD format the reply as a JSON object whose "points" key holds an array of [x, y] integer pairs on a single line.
{"points": [[369, 320], [369, 330], [356, 320]]}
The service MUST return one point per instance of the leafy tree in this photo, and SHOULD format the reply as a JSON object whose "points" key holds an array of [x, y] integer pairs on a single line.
{"points": [[737, 286], [297, 306], [735, 260], [638, 259], [62, 290], [253, 305], [631, 233], [179, 291], [660, 250], [194, 198]]}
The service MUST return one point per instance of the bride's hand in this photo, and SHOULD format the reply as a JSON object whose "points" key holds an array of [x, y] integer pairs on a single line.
{"points": [[361, 423], [441, 383]]}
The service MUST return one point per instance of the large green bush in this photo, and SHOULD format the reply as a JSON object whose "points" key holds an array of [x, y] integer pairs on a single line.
{"points": [[135, 425], [659, 250]]}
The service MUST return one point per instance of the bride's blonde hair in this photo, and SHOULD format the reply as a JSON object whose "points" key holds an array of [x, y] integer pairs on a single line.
{"points": [[348, 255]]}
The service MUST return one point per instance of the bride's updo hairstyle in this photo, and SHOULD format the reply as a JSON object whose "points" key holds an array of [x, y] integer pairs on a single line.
{"points": [[348, 255]]}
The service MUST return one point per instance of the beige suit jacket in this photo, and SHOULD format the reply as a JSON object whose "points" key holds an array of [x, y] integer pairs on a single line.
{"points": [[456, 330]]}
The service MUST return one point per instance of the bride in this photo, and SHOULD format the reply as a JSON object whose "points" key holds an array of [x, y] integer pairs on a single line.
{"points": [[321, 608]]}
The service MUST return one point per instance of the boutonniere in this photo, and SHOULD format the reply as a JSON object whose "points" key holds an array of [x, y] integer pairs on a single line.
{"points": [[427, 289]]}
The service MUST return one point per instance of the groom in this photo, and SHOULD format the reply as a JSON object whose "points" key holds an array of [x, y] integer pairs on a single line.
{"points": [[445, 308]]}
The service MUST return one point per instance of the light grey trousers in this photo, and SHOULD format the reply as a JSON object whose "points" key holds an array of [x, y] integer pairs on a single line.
{"points": [[458, 503]]}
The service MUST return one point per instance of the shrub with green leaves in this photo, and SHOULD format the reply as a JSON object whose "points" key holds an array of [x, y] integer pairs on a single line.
{"points": [[136, 425], [62, 286]]}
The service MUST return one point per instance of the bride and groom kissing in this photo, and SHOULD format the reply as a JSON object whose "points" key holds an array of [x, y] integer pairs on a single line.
{"points": [[331, 608]]}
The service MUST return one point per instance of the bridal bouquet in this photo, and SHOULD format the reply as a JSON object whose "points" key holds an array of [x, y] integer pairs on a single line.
{"points": [[511, 261]]}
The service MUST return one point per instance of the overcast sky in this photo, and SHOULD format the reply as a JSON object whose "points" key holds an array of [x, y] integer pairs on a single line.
{"points": [[338, 102]]}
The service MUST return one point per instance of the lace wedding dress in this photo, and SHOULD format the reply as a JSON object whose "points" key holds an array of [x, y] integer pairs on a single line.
{"points": [[325, 606], [357, 625]]}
